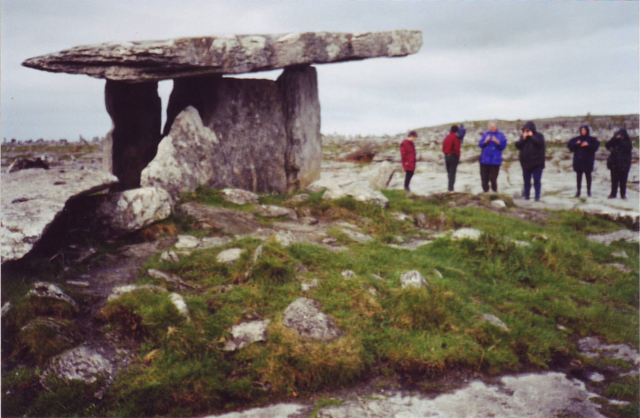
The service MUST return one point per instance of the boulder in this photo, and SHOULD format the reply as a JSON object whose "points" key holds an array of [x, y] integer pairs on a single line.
{"points": [[81, 363], [247, 333], [414, 279], [498, 204], [271, 211], [305, 317], [466, 233], [125, 212], [382, 177], [44, 294], [227, 220], [186, 158], [229, 256], [166, 59], [46, 337], [32, 199], [239, 197]]}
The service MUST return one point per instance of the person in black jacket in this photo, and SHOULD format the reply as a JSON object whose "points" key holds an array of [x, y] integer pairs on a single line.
{"points": [[584, 149], [531, 146], [619, 162]]}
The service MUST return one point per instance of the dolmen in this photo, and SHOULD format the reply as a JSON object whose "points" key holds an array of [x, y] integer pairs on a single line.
{"points": [[223, 132]]}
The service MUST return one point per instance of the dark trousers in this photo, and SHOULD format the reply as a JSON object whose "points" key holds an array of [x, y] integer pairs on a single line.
{"points": [[537, 183], [619, 178], [587, 175], [489, 173], [452, 166], [407, 179]]}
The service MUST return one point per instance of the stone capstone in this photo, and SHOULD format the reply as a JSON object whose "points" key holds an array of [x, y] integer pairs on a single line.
{"points": [[183, 57], [247, 333], [81, 363], [32, 199], [414, 279], [125, 212], [305, 317]]}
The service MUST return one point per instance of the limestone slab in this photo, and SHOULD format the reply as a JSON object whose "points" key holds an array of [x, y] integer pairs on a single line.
{"points": [[183, 57]]}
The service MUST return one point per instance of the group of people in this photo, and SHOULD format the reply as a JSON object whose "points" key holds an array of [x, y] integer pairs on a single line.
{"points": [[531, 146]]}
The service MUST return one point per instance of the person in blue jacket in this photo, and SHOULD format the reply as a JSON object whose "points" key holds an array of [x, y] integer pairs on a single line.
{"points": [[584, 149], [492, 142]]}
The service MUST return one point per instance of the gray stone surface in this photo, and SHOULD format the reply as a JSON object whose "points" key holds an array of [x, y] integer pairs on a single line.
{"points": [[118, 291], [356, 236], [413, 279], [305, 317], [382, 177], [229, 256], [180, 304], [186, 158], [272, 211], [169, 256], [622, 235], [32, 199], [227, 220], [170, 278], [239, 197], [466, 233], [183, 57], [495, 321], [44, 290], [274, 411], [348, 274], [247, 333], [125, 212], [81, 363], [593, 347], [285, 238], [301, 106], [307, 286]]}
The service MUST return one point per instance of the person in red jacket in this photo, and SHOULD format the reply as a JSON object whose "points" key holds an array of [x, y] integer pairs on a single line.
{"points": [[408, 155], [451, 149]]}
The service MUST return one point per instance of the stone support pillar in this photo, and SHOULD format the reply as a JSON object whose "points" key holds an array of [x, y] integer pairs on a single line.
{"points": [[299, 88], [136, 113]]}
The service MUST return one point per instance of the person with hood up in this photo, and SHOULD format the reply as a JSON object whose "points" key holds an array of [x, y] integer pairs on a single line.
{"points": [[531, 146], [492, 142], [619, 162], [408, 157], [451, 149], [584, 149], [461, 132]]}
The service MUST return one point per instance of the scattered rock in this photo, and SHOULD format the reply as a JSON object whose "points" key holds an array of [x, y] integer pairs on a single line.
{"points": [[271, 211], [300, 198], [285, 238], [118, 291], [356, 236], [521, 244], [411, 245], [32, 199], [191, 242], [498, 204], [25, 163], [308, 221], [46, 337], [171, 279], [382, 177], [187, 241], [622, 235], [81, 363], [620, 254], [50, 292], [596, 377], [305, 317], [403, 217], [229, 256], [621, 267], [348, 274], [274, 411], [421, 220], [78, 283], [495, 321], [437, 272], [413, 278], [228, 220], [180, 304], [169, 256], [125, 212], [466, 233], [334, 194], [247, 333], [239, 197], [307, 286], [592, 347], [365, 194]]}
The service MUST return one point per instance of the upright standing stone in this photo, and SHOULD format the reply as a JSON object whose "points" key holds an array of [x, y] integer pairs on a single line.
{"points": [[299, 88], [136, 112]]}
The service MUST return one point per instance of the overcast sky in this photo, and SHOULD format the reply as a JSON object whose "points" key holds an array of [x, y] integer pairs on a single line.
{"points": [[479, 60]]}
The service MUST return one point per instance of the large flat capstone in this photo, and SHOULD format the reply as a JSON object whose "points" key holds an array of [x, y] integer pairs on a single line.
{"points": [[32, 199], [184, 57]]}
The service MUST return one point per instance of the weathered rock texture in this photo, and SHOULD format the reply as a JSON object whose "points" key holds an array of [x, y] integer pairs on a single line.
{"points": [[227, 220], [247, 333], [81, 363], [32, 199], [305, 317], [184, 57], [135, 111]]}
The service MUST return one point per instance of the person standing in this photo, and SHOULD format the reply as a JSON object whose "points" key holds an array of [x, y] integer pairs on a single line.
{"points": [[408, 156], [451, 149], [619, 162], [461, 133], [584, 149], [492, 142], [532, 158]]}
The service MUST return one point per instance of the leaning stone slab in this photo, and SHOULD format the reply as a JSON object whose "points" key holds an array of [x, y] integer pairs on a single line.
{"points": [[32, 199], [305, 317], [131, 210], [81, 363], [183, 57], [247, 333], [414, 279]]}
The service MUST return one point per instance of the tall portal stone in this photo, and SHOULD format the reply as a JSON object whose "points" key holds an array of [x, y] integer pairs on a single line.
{"points": [[299, 88], [136, 113]]}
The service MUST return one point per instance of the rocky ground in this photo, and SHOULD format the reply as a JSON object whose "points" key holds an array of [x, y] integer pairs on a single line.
{"points": [[106, 301]]}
